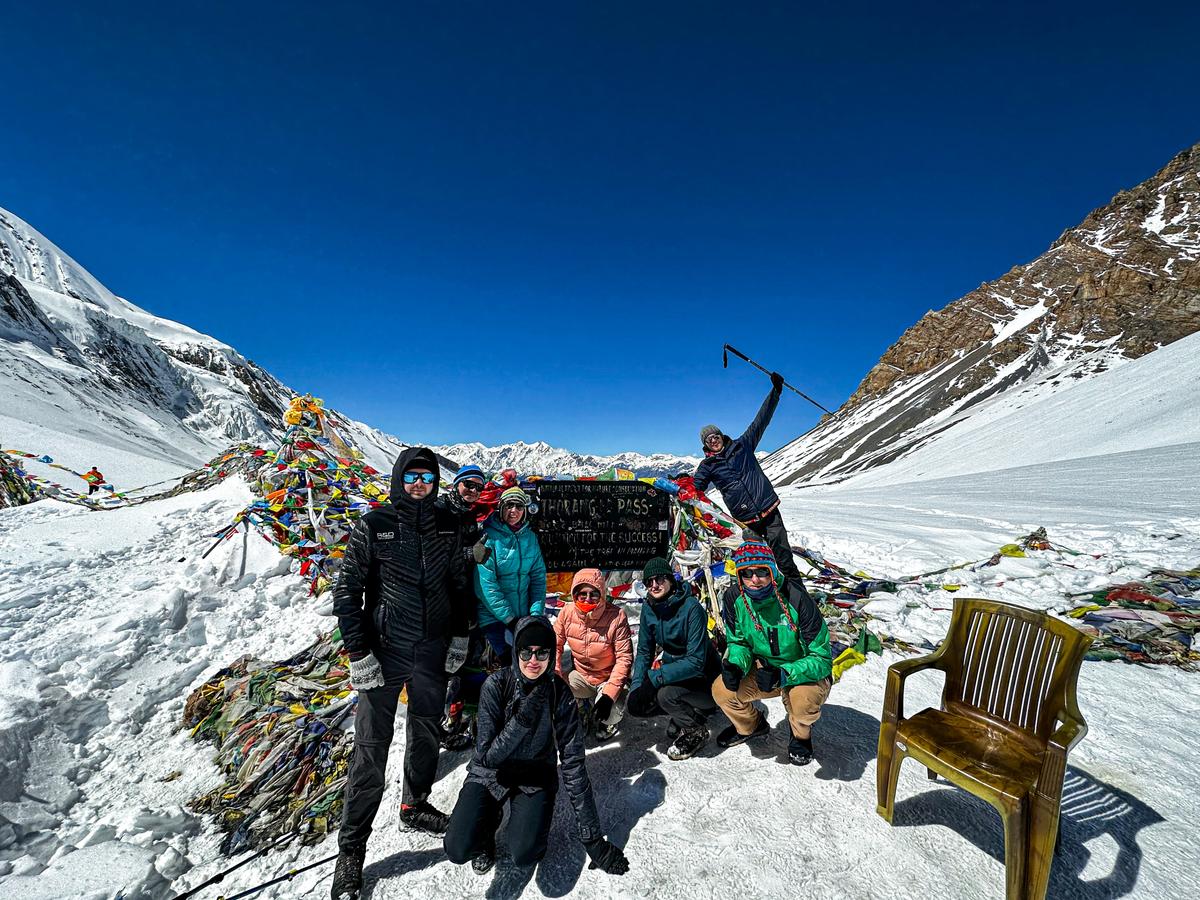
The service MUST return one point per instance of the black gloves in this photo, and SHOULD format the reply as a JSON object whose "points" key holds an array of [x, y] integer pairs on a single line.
{"points": [[777, 381], [641, 699], [603, 708], [731, 676], [531, 706], [607, 857], [767, 677]]}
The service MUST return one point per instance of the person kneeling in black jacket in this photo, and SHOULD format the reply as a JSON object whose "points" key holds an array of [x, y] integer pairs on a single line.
{"points": [[524, 712]]}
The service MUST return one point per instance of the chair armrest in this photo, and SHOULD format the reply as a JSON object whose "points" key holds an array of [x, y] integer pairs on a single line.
{"points": [[893, 697], [1054, 758]]}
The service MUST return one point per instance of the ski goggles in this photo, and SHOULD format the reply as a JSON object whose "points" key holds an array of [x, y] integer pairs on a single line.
{"points": [[414, 477], [542, 654]]}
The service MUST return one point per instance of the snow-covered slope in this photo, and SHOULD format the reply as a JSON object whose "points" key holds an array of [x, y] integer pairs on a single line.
{"points": [[109, 620], [1148, 402], [1122, 283], [542, 459]]}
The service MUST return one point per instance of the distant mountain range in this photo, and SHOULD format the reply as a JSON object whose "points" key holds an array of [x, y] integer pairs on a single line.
{"points": [[540, 458], [1122, 283]]}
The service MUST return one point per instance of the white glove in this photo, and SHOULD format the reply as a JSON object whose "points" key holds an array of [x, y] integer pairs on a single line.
{"points": [[365, 673], [457, 654]]}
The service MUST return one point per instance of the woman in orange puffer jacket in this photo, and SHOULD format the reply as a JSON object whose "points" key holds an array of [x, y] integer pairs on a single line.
{"points": [[597, 633]]}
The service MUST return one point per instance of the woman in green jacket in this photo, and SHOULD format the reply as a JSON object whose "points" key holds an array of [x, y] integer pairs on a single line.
{"points": [[777, 644], [511, 583]]}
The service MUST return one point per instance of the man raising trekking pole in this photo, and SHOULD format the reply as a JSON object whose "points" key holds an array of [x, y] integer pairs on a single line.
{"points": [[730, 465]]}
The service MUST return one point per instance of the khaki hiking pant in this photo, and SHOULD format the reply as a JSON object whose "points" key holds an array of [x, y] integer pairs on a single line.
{"points": [[802, 702], [582, 689]]}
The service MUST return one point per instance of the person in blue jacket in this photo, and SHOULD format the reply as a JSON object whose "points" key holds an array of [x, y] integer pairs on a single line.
{"points": [[511, 583], [680, 685], [730, 465]]}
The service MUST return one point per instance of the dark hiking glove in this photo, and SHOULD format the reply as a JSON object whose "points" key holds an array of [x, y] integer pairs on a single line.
{"points": [[603, 708], [457, 654], [607, 857], [777, 381], [641, 699], [365, 673], [481, 551], [531, 706], [731, 676], [767, 677]]}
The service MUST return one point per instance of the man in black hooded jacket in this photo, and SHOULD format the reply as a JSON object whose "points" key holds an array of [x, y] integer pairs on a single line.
{"points": [[401, 597]]}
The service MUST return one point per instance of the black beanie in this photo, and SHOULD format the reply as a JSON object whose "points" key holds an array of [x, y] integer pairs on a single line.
{"points": [[534, 631]]}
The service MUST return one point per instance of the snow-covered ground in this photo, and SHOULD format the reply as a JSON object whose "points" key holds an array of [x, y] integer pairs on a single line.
{"points": [[108, 620]]}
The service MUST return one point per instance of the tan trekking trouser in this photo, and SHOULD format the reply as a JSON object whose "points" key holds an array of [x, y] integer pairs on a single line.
{"points": [[802, 702], [582, 689]]}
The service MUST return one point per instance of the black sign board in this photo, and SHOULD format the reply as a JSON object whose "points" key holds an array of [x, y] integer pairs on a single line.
{"points": [[601, 524]]}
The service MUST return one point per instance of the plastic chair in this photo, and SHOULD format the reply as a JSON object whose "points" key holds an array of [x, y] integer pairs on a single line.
{"points": [[1007, 720]]}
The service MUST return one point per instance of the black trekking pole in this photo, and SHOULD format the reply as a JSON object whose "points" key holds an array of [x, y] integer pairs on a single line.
{"points": [[729, 348]]}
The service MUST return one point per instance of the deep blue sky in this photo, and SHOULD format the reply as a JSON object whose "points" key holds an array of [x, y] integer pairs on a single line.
{"points": [[492, 221]]}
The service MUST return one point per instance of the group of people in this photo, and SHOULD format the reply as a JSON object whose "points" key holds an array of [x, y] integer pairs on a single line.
{"points": [[425, 585]]}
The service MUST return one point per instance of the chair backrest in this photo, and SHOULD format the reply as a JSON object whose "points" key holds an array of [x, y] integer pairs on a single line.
{"points": [[1012, 664]]}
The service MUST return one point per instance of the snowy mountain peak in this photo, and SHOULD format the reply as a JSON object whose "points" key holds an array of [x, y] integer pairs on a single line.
{"points": [[1122, 283]]}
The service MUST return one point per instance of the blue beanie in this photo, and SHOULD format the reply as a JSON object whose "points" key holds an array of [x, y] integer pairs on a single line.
{"points": [[468, 472]]}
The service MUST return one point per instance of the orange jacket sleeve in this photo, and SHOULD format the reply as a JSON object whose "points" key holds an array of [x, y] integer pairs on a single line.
{"points": [[622, 642]]}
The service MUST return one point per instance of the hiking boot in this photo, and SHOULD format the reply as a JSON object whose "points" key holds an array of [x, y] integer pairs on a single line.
{"points": [[458, 734], [800, 751], [689, 742], [347, 875], [605, 732], [672, 729], [482, 864], [424, 817], [460, 740], [730, 737]]}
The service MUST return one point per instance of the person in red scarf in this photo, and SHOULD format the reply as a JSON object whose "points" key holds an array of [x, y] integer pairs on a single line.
{"points": [[598, 635]]}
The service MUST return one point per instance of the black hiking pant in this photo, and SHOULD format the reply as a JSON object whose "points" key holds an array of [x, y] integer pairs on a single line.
{"points": [[689, 703], [422, 666], [476, 818], [770, 528]]}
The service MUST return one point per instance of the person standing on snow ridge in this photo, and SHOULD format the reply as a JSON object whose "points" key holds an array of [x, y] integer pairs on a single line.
{"points": [[401, 597], [512, 582], [777, 643], [601, 643], [94, 479], [680, 686], [730, 465], [527, 717], [462, 501]]}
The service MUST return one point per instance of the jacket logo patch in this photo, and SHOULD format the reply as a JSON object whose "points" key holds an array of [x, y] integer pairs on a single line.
{"points": [[385, 535]]}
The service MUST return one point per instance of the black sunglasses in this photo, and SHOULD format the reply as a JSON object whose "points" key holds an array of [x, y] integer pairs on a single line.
{"points": [[542, 654], [427, 477], [659, 579], [471, 485], [760, 572]]}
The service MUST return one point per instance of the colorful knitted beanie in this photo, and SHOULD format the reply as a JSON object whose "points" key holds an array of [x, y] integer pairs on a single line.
{"points": [[752, 554], [514, 495]]}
